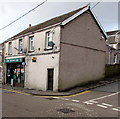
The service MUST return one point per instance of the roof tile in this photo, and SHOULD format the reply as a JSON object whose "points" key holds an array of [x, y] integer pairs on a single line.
{"points": [[49, 22]]}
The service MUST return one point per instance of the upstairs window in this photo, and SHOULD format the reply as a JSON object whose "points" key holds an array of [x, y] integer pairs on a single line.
{"points": [[20, 46], [31, 43], [49, 40], [10, 48], [115, 58]]}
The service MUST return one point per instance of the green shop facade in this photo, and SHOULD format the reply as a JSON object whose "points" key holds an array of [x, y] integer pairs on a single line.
{"points": [[15, 71]]}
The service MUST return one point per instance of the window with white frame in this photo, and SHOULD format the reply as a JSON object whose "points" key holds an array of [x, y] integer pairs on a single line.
{"points": [[31, 43], [20, 45], [49, 39], [115, 58], [10, 48]]}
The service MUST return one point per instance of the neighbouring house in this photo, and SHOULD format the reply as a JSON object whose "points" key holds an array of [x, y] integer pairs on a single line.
{"points": [[58, 54], [113, 47], [0, 62]]}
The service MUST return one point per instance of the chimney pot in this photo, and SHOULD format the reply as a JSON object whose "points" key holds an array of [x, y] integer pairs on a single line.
{"points": [[29, 25]]}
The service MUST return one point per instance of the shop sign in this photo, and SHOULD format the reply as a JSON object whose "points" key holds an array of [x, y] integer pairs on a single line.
{"points": [[13, 60]]}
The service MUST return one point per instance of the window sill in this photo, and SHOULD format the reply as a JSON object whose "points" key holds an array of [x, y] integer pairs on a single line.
{"points": [[9, 54], [46, 49], [20, 53], [30, 51]]}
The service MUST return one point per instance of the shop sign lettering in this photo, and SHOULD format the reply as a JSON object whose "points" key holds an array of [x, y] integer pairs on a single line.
{"points": [[13, 60]]}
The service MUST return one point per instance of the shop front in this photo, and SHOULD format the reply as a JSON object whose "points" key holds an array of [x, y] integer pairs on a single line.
{"points": [[15, 71]]}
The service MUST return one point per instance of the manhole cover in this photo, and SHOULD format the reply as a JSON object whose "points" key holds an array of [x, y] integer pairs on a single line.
{"points": [[65, 110], [50, 98]]}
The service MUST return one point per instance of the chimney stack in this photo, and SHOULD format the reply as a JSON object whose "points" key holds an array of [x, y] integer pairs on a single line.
{"points": [[29, 25]]}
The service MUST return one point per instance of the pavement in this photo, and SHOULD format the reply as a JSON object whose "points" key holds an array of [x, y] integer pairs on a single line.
{"points": [[79, 89]]}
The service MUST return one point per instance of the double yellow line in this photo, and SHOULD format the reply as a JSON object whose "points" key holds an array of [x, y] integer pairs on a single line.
{"points": [[72, 95], [16, 92]]}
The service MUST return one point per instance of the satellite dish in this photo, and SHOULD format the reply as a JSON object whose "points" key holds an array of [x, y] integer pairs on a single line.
{"points": [[51, 44]]}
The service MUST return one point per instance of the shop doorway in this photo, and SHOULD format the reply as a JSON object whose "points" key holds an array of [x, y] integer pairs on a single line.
{"points": [[50, 73]]}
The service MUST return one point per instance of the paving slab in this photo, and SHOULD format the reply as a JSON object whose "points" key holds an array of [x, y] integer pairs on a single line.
{"points": [[82, 88]]}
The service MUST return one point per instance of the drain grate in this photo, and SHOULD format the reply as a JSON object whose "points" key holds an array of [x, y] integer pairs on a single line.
{"points": [[65, 110], [50, 98]]}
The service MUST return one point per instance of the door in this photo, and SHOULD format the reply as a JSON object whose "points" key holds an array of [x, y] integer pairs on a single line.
{"points": [[9, 73], [50, 79]]}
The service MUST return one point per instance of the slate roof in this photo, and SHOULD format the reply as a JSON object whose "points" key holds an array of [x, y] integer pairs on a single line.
{"points": [[112, 32], [49, 22]]}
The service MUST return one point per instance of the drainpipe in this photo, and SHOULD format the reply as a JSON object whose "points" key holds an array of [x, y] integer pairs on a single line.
{"points": [[117, 39], [109, 55]]}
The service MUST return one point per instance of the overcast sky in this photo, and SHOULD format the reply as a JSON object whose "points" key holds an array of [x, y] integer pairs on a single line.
{"points": [[106, 12]]}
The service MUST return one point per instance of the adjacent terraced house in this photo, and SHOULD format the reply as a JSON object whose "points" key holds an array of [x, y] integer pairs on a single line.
{"points": [[59, 54], [113, 47], [0, 62]]}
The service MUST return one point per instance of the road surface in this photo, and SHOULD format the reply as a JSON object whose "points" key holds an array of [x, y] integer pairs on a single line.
{"points": [[99, 102]]}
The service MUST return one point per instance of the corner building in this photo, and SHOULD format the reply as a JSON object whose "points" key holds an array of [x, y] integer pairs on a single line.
{"points": [[58, 54]]}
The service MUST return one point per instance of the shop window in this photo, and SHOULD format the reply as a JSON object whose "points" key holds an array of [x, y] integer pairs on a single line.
{"points": [[10, 48], [20, 46], [31, 43]]}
